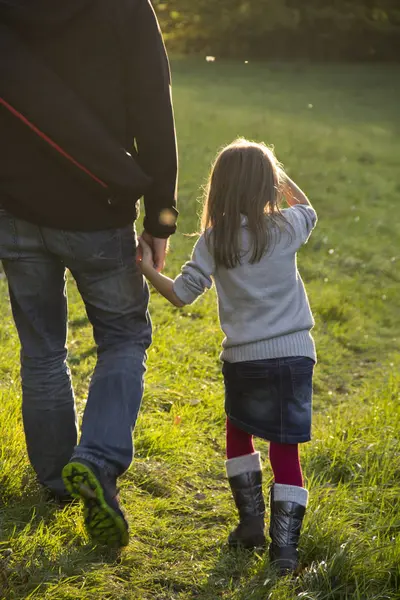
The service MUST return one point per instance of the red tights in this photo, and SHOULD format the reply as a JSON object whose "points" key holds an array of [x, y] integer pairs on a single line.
{"points": [[284, 458]]}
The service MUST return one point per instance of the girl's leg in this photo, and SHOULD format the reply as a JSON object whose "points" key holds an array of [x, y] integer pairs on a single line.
{"points": [[238, 442], [288, 496], [285, 463], [245, 478], [288, 505]]}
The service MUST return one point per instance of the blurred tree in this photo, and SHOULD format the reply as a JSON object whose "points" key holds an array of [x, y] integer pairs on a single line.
{"points": [[334, 30]]}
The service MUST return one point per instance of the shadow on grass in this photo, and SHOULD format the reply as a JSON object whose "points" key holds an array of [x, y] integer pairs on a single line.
{"points": [[244, 574], [79, 322], [238, 572], [29, 541], [77, 358]]}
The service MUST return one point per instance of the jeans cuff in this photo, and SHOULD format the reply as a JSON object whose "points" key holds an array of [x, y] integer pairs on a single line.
{"points": [[100, 464]]}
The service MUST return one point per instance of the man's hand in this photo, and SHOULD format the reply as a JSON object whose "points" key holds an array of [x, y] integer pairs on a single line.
{"points": [[159, 248]]}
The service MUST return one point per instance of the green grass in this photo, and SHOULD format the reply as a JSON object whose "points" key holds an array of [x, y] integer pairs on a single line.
{"points": [[336, 130]]}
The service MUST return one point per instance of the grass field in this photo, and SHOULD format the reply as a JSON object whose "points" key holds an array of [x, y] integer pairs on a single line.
{"points": [[336, 129]]}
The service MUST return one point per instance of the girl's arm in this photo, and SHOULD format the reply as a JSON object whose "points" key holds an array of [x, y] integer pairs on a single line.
{"points": [[303, 218], [293, 194], [163, 284]]}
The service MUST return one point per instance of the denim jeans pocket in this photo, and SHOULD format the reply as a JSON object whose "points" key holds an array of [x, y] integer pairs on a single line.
{"points": [[128, 244], [98, 248], [9, 249], [300, 365], [301, 376], [255, 369]]}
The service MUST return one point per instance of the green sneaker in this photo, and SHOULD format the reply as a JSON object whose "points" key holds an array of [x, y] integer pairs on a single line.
{"points": [[104, 519]]}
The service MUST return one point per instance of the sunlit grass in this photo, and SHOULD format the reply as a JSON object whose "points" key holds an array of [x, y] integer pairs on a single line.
{"points": [[344, 151]]}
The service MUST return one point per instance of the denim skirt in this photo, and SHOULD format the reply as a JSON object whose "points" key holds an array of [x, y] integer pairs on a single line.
{"points": [[271, 398]]}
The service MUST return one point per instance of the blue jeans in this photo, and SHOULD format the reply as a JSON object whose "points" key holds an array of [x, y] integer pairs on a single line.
{"points": [[116, 300]]}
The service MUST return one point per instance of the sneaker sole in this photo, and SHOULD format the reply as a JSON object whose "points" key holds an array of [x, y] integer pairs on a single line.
{"points": [[104, 525]]}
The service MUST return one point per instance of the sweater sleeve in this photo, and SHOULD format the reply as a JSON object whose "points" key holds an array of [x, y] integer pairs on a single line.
{"points": [[151, 112], [196, 274], [303, 219]]}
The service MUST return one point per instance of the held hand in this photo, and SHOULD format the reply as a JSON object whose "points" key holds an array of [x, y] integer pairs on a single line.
{"points": [[163, 284], [146, 260], [159, 249]]}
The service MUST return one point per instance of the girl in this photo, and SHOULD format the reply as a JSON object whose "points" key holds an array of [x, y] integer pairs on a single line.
{"points": [[248, 246]]}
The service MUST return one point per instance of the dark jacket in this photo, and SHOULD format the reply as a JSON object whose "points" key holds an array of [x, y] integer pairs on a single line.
{"points": [[112, 57]]}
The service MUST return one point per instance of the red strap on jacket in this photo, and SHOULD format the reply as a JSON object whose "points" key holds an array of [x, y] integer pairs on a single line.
{"points": [[51, 142]]}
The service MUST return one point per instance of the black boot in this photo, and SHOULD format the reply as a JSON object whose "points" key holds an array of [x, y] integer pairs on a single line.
{"points": [[246, 486], [286, 521]]}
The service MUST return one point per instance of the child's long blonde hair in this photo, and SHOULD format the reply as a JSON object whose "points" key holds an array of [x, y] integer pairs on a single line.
{"points": [[246, 179]]}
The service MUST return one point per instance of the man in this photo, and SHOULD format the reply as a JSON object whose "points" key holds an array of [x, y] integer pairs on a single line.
{"points": [[111, 55]]}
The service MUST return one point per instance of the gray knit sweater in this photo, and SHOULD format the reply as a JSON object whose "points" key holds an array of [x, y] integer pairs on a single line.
{"points": [[263, 307]]}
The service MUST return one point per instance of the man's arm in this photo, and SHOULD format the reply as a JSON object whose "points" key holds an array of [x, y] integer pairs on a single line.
{"points": [[151, 113]]}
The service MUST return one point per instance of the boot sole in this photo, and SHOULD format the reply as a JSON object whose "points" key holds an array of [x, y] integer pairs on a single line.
{"points": [[104, 525], [248, 545], [283, 569], [283, 565]]}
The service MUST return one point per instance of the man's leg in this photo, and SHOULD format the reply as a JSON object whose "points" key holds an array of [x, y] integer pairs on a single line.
{"points": [[39, 305], [116, 299]]}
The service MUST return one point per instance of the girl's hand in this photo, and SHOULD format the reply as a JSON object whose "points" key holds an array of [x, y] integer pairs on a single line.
{"points": [[163, 284], [147, 261]]}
